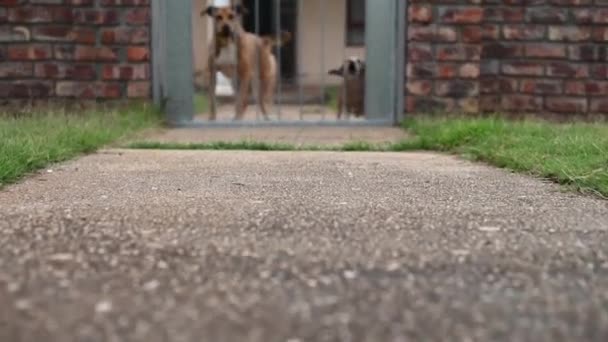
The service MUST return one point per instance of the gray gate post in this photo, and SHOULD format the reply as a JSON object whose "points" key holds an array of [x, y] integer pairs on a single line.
{"points": [[172, 54], [401, 53], [383, 31], [158, 27]]}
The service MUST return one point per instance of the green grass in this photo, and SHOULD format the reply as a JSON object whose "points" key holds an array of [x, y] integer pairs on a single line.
{"points": [[201, 103], [332, 94], [573, 154], [254, 146], [32, 141]]}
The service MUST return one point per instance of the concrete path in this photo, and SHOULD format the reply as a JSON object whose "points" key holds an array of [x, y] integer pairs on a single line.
{"points": [[298, 136], [282, 246], [289, 113], [293, 134]]}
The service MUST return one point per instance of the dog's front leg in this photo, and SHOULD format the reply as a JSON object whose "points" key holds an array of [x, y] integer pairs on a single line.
{"points": [[211, 91], [242, 97], [259, 87], [340, 104]]}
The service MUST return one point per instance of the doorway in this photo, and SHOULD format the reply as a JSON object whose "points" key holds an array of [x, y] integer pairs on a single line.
{"points": [[312, 102], [269, 18]]}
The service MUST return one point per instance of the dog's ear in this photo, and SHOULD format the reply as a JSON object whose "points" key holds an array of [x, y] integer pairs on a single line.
{"points": [[210, 11], [239, 9], [362, 66]]}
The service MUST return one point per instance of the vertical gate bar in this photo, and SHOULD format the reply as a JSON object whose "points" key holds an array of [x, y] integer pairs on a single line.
{"points": [[179, 90], [236, 83], [280, 76], [322, 10], [159, 25], [380, 40], [237, 77], [211, 94], [342, 89], [257, 80], [300, 98], [299, 75], [234, 80], [401, 47]]}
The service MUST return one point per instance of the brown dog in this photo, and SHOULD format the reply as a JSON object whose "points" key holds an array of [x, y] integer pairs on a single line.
{"points": [[351, 96], [235, 54]]}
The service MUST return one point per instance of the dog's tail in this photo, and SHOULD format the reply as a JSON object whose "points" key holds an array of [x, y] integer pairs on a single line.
{"points": [[284, 38]]}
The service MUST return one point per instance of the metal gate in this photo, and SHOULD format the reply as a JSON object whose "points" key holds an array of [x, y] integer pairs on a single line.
{"points": [[320, 36]]}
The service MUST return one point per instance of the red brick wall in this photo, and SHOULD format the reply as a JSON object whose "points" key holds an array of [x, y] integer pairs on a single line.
{"points": [[85, 49], [508, 55], [463, 55]]}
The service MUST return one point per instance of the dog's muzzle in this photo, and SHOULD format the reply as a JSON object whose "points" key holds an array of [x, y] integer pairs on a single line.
{"points": [[226, 31], [352, 68]]}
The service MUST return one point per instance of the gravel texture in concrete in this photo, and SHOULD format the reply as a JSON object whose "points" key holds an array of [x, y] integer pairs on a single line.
{"points": [[298, 246]]}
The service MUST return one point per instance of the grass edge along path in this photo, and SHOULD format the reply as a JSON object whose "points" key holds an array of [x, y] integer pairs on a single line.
{"points": [[32, 141], [574, 154]]}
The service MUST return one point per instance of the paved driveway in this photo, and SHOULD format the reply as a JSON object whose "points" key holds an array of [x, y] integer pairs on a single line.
{"points": [[298, 246]]}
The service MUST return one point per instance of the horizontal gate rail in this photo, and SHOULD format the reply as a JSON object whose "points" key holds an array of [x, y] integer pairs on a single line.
{"points": [[290, 123]]}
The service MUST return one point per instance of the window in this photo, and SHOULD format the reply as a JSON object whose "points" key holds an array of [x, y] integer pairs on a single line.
{"points": [[355, 22]]}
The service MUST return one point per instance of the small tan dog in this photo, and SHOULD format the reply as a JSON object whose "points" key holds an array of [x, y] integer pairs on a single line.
{"points": [[235, 53], [351, 96]]}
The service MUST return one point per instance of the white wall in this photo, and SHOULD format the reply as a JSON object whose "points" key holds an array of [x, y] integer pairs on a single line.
{"points": [[317, 52]]}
